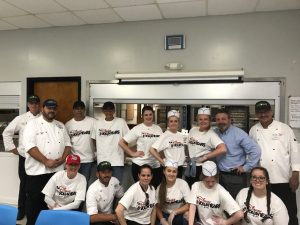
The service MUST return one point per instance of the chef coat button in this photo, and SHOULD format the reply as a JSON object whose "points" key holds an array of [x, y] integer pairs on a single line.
{"points": [[258, 139], [59, 142], [272, 160], [274, 149]]}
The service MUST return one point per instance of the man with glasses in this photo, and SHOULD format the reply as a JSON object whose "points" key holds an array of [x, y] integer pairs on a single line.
{"points": [[102, 195], [17, 127], [280, 156]]}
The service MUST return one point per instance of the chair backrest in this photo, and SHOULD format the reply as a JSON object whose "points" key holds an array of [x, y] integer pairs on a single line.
{"points": [[62, 217], [8, 215]]}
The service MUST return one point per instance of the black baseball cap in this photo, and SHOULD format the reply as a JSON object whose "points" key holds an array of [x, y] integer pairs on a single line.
{"points": [[33, 99], [262, 106], [79, 104], [105, 165], [50, 103], [108, 106]]}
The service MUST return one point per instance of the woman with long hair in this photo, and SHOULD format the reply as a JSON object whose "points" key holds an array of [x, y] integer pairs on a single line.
{"points": [[137, 206], [211, 200], [172, 196], [170, 145], [259, 204], [203, 144], [145, 134]]}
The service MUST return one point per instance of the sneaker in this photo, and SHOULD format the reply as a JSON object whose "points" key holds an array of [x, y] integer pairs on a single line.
{"points": [[21, 214]]}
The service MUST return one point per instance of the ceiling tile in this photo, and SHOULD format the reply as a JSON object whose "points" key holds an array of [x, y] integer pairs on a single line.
{"points": [[183, 9], [37, 6], [83, 4], [6, 26], [99, 16], [138, 13], [10, 10], [121, 3], [221, 7], [61, 19], [28, 21], [271, 5]]}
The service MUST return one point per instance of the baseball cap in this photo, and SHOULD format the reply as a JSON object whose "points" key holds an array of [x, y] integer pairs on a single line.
{"points": [[73, 159], [171, 163], [204, 111], [105, 165], [173, 113], [209, 169], [262, 106], [108, 106], [79, 104], [33, 99], [50, 103]]}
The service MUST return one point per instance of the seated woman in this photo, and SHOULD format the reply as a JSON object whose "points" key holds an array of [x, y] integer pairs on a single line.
{"points": [[211, 200], [66, 189], [172, 196], [259, 204], [137, 206]]}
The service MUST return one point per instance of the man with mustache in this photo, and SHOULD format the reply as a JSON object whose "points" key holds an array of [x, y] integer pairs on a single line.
{"points": [[280, 156], [242, 154], [101, 196], [46, 144]]}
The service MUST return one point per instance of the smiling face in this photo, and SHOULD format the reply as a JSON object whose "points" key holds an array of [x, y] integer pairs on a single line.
{"points": [[49, 113], [203, 122], [265, 117], [170, 174], [145, 176], [72, 170], [258, 179], [34, 107], [173, 123], [148, 117], [104, 176], [223, 121]]}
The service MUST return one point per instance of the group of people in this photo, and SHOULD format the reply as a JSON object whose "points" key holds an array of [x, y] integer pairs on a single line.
{"points": [[230, 177]]}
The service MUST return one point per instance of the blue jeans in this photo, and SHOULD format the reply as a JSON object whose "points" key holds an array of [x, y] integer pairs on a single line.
{"points": [[178, 219], [117, 172], [85, 169]]}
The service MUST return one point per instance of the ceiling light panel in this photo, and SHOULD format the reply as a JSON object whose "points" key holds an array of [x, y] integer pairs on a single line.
{"points": [[27, 21], [121, 3], [37, 6], [183, 9], [61, 19], [99, 16], [139, 13], [83, 4], [221, 7]]}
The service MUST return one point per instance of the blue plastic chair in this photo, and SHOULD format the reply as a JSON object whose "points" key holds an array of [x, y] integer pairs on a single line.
{"points": [[8, 215], [62, 217]]}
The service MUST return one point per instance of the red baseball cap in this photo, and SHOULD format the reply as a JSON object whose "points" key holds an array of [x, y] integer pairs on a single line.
{"points": [[73, 159]]}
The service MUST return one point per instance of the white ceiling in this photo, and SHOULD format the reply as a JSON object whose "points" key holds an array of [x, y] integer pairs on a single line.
{"points": [[17, 14]]}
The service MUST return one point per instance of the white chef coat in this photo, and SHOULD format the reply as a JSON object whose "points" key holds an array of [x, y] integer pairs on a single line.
{"points": [[279, 150], [17, 125], [50, 138]]}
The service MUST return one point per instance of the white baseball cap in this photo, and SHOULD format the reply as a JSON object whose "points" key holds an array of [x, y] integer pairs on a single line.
{"points": [[209, 169], [204, 111], [171, 163], [173, 113]]}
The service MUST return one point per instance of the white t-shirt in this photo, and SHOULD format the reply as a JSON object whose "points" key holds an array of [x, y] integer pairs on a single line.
{"points": [[50, 138], [176, 196], [201, 143], [134, 201], [99, 199], [17, 125], [107, 135], [80, 134], [145, 137], [279, 150], [211, 202], [173, 146], [64, 190], [258, 209]]}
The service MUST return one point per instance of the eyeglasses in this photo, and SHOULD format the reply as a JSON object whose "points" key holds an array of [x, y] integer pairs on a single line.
{"points": [[260, 179], [147, 202]]}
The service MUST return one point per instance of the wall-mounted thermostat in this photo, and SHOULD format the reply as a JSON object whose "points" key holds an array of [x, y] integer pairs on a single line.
{"points": [[173, 42]]}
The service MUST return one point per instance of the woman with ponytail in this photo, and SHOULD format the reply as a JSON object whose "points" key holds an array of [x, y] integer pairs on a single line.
{"points": [[260, 205], [172, 195]]}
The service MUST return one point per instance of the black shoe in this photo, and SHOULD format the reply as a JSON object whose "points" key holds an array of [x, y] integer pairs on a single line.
{"points": [[21, 214]]}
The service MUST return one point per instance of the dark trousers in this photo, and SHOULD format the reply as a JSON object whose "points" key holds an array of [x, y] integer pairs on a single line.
{"points": [[103, 223], [192, 180], [288, 197], [22, 187], [130, 222], [233, 182], [157, 174], [35, 198]]}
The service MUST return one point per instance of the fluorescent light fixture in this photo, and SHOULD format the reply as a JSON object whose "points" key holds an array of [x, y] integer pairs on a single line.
{"points": [[204, 76]]}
